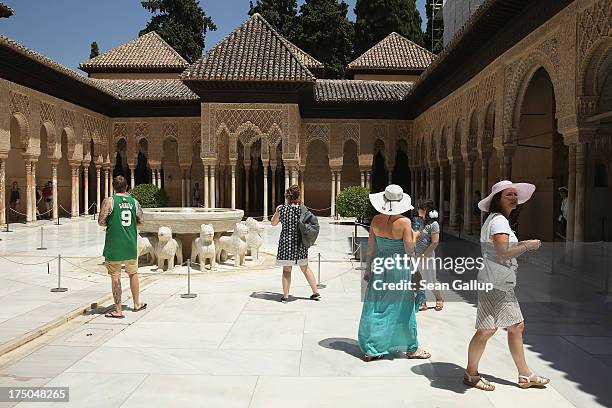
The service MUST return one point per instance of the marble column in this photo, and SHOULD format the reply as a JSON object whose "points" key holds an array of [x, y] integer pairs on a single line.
{"points": [[581, 150], [247, 174], [432, 184], [484, 180], [74, 204], [183, 188], [86, 187], [106, 186], [571, 192], [2, 190], [233, 186], [467, 196], [302, 190], [369, 179], [265, 190], [132, 177], [338, 182], [505, 163], [286, 177], [453, 195], [33, 192], [389, 176], [29, 204], [55, 214], [333, 194], [273, 180], [206, 185], [442, 194], [294, 176], [213, 201], [188, 192], [97, 189], [362, 178]]}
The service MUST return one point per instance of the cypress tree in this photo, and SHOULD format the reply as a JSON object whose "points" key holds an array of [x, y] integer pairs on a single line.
{"points": [[281, 14], [378, 18], [94, 50], [324, 31]]}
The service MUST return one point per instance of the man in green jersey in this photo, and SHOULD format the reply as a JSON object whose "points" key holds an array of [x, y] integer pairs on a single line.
{"points": [[119, 214]]}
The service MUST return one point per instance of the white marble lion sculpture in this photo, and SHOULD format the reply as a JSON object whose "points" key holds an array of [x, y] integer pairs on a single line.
{"points": [[145, 247], [234, 244], [253, 238], [168, 248], [204, 247]]}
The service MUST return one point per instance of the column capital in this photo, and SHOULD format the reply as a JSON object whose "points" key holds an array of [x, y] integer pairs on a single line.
{"points": [[579, 135], [209, 161], [337, 169]]}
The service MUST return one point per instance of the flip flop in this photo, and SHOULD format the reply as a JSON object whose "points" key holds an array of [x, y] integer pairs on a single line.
{"points": [[111, 315], [142, 307], [422, 355]]}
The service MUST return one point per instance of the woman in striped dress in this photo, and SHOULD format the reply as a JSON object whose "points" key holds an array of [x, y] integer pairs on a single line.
{"points": [[499, 307]]}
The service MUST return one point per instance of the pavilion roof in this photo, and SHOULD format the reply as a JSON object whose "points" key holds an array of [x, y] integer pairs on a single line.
{"points": [[347, 90], [149, 52], [253, 52]]}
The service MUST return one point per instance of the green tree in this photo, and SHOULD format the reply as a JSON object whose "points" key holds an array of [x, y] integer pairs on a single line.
{"points": [[281, 14], [378, 18], [95, 51], [324, 31], [181, 23], [434, 42]]}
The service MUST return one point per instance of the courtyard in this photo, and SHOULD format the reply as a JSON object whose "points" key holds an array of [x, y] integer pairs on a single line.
{"points": [[235, 345]]}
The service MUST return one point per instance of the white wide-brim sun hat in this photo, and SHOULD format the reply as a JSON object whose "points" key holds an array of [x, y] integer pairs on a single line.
{"points": [[523, 191], [392, 201]]}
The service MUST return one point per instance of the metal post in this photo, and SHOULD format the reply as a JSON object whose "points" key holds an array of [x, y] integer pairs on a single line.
{"points": [[41, 247], [6, 214], [188, 295], [59, 276], [319, 284]]}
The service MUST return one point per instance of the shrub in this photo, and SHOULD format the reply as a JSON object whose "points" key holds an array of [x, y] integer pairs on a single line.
{"points": [[149, 196], [354, 202]]}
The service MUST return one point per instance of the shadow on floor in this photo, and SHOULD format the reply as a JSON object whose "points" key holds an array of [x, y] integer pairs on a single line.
{"points": [[275, 297], [452, 380]]}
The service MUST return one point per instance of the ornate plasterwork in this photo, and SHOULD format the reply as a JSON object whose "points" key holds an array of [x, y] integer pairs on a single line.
{"points": [[120, 131], [232, 116], [141, 130], [170, 129], [351, 132], [47, 113], [320, 131], [68, 118], [594, 23], [19, 103]]}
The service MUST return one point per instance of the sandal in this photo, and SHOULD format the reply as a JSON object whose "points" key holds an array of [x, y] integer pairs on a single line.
{"points": [[112, 315], [439, 305], [477, 381], [369, 357], [284, 299], [143, 306], [315, 296], [420, 354], [530, 381], [423, 307]]}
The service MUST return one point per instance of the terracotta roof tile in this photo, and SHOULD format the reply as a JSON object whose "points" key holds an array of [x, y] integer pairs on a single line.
{"points": [[148, 52], [148, 89], [252, 52], [394, 52], [346, 90]]}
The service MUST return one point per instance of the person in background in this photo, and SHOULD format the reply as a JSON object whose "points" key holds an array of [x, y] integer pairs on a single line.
{"points": [[562, 220], [290, 250], [196, 195], [119, 214], [426, 244], [47, 196], [15, 196]]}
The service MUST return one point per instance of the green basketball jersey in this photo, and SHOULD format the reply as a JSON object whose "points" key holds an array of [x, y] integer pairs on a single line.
{"points": [[121, 241]]}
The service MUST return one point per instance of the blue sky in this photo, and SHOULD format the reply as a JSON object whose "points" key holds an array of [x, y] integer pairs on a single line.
{"points": [[64, 29]]}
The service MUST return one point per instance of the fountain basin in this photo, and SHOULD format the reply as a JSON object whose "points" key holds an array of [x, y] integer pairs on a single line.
{"points": [[187, 220]]}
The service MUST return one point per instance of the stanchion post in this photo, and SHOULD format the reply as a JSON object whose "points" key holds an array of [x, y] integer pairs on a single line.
{"points": [[188, 295], [41, 247], [319, 284], [59, 276]]}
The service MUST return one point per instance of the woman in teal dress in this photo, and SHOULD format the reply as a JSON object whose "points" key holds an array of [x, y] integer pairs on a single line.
{"points": [[388, 318]]}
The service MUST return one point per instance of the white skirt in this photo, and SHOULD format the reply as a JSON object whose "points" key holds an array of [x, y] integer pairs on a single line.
{"points": [[498, 308]]}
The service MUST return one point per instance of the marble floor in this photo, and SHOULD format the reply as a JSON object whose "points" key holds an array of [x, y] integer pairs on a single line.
{"points": [[235, 345]]}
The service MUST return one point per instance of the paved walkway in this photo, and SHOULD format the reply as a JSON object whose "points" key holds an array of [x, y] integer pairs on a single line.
{"points": [[235, 345]]}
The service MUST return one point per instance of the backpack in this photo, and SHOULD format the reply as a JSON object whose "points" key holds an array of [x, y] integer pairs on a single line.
{"points": [[308, 227]]}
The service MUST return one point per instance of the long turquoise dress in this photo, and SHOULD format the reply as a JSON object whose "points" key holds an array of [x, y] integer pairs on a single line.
{"points": [[388, 318]]}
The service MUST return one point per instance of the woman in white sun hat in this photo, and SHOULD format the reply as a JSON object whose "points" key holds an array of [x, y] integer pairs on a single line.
{"points": [[388, 321], [499, 306]]}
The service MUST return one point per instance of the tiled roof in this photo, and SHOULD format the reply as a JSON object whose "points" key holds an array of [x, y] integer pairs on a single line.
{"points": [[5, 11], [346, 90], [252, 52], [149, 52], [307, 59], [148, 89], [394, 52]]}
